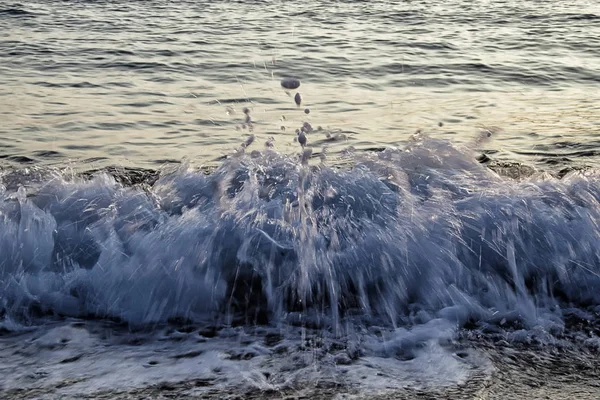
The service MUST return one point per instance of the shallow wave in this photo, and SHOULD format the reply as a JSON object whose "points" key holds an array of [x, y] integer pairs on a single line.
{"points": [[403, 236]]}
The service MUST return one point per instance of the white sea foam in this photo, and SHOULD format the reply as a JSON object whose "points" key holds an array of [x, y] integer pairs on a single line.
{"points": [[76, 359], [404, 236]]}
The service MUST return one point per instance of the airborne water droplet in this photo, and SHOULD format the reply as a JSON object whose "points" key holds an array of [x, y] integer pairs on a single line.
{"points": [[306, 154], [302, 139], [290, 83], [306, 127], [298, 99], [323, 155]]}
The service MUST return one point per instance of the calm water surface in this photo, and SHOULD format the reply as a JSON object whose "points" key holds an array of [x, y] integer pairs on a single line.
{"points": [[143, 83]]}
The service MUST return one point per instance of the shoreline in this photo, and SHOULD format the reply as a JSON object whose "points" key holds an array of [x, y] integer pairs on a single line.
{"points": [[566, 369]]}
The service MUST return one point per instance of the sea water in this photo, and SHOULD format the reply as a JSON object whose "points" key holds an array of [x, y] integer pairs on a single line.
{"points": [[172, 212]]}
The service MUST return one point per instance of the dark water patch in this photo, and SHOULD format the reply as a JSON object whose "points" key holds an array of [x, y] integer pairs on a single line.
{"points": [[190, 354], [146, 143], [92, 160], [51, 154], [112, 52], [581, 17], [572, 169], [412, 81], [430, 45], [137, 66], [209, 332], [273, 339], [26, 49], [162, 124], [142, 104], [119, 84], [230, 101], [71, 359], [142, 93], [166, 161], [80, 146], [127, 176], [18, 159], [163, 79], [111, 126], [210, 122], [71, 126], [569, 154], [165, 53], [16, 12], [587, 145], [555, 160], [371, 86], [245, 101], [76, 85]]}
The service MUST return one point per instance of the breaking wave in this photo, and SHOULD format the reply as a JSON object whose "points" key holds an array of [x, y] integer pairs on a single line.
{"points": [[397, 238]]}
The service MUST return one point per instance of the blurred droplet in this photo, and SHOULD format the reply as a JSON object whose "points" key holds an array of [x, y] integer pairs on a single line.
{"points": [[323, 155], [290, 83], [306, 127], [302, 139], [249, 141], [306, 155], [298, 99]]}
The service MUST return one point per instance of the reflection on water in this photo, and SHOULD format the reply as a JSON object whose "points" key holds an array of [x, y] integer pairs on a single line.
{"points": [[134, 83]]}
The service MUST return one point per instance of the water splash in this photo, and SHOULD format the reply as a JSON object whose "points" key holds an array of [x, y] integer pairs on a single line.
{"points": [[403, 236]]}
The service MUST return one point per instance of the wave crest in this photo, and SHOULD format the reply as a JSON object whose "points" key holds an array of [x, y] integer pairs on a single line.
{"points": [[402, 236]]}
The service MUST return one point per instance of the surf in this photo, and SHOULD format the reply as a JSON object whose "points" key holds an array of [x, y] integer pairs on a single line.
{"points": [[401, 236]]}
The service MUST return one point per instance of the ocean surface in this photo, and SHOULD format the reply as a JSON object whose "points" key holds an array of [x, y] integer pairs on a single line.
{"points": [[418, 218], [143, 83]]}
